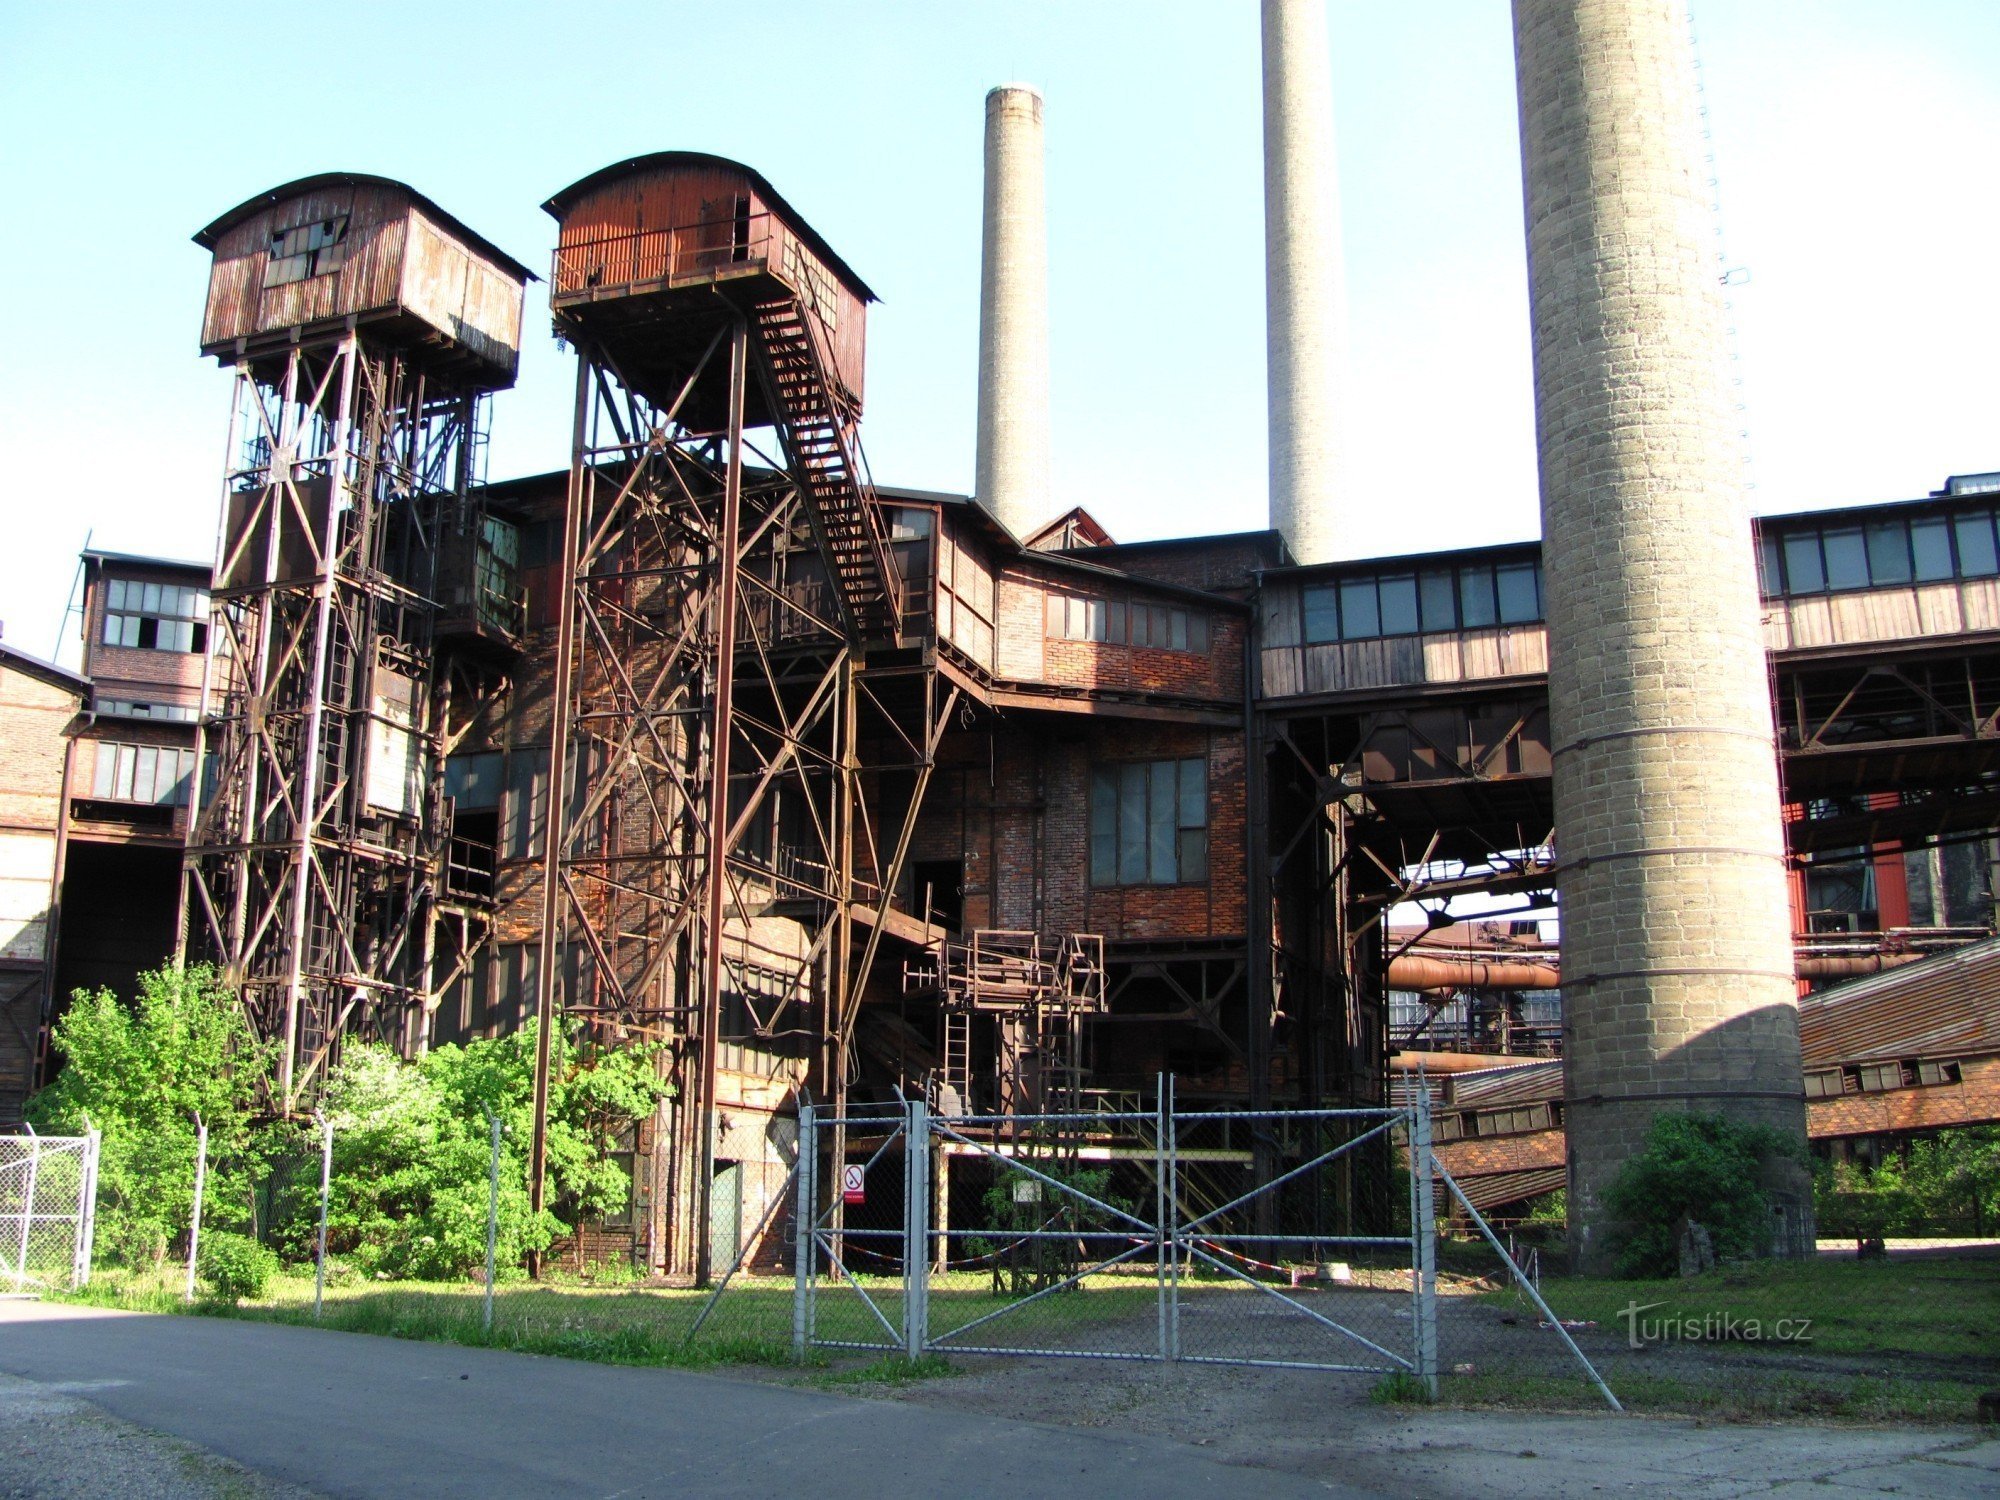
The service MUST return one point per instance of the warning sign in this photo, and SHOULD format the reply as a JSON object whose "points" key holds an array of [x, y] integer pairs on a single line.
{"points": [[853, 1185]]}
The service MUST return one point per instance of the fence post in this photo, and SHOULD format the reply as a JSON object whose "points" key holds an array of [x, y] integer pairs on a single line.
{"points": [[28, 1204], [1174, 1219], [916, 1221], [802, 1236], [86, 1237], [200, 1182], [325, 1189], [1160, 1207], [492, 1221], [1425, 1233]]}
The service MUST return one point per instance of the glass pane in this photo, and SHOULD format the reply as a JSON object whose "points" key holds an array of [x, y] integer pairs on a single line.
{"points": [[1770, 575], [104, 782], [1888, 553], [1930, 541], [1846, 559], [1976, 558], [1440, 602], [1132, 825], [1803, 573], [1194, 794], [1177, 631], [1518, 601], [1198, 634], [1399, 605], [1076, 622], [1142, 634], [1114, 628], [1103, 826], [122, 788], [1475, 598], [1097, 620], [1194, 854], [1161, 823], [1055, 627], [145, 775], [152, 599], [1322, 614], [1359, 617]]}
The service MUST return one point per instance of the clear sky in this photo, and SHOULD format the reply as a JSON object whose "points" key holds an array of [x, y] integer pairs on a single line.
{"points": [[1854, 143]]}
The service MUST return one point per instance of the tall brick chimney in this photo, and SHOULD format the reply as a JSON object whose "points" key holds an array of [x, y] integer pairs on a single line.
{"points": [[1677, 966]]}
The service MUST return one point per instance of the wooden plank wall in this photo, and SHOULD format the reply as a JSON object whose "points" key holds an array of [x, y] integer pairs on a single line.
{"points": [[239, 306], [1952, 607]]}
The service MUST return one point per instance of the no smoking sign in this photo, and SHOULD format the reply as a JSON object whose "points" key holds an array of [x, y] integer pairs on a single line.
{"points": [[853, 1185]]}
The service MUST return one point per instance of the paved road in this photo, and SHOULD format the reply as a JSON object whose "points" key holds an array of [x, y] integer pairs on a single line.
{"points": [[353, 1415]]}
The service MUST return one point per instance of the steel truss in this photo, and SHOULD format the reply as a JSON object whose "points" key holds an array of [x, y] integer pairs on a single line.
{"points": [[314, 873], [729, 758]]}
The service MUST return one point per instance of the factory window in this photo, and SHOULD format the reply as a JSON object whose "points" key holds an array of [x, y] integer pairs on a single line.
{"points": [[1823, 1085], [157, 774], [307, 250], [131, 708], [526, 804], [155, 616], [1118, 623], [473, 781], [1476, 596], [1149, 823], [1882, 554]]}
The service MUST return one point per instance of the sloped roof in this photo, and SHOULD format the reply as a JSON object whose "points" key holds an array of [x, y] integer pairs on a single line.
{"points": [[1942, 1007]]}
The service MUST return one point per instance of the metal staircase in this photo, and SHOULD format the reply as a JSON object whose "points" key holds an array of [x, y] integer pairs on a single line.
{"points": [[819, 435]]}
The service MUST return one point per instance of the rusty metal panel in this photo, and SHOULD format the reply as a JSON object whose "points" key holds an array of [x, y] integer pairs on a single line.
{"points": [[1942, 1007], [461, 294]]}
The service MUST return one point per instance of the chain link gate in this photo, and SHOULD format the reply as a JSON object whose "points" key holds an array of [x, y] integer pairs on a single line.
{"points": [[1120, 1235], [48, 1201]]}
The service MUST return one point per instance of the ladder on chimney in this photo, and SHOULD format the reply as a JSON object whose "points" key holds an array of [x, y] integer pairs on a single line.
{"points": [[819, 436]]}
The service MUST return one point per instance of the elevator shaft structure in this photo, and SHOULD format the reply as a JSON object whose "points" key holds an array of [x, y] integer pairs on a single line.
{"points": [[365, 328], [741, 731]]}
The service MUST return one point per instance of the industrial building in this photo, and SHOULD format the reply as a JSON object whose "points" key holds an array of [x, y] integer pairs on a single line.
{"points": [[835, 790]]}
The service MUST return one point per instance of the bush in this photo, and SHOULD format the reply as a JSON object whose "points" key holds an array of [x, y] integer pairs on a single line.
{"points": [[1701, 1167], [1944, 1185], [233, 1266], [140, 1073], [412, 1150]]}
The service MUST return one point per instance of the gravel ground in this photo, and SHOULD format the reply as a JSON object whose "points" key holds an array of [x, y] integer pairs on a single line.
{"points": [[55, 1445]]}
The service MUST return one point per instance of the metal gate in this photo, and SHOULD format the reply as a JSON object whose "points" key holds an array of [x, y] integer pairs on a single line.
{"points": [[48, 1201], [1279, 1238]]}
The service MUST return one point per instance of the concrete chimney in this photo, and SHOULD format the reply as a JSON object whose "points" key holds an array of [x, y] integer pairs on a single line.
{"points": [[1304, 292], [1013, 456], [1677, 969]]}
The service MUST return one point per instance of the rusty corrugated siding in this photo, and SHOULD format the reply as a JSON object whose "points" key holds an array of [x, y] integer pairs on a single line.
{"points": [[1943, 1007]]}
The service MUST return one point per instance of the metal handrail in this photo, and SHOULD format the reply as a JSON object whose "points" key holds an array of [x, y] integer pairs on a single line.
{"points": [[663, 254]]}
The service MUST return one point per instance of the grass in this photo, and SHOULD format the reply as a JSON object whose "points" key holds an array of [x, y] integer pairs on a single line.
{"points": [[1768, 1398], [1930, 1309]]}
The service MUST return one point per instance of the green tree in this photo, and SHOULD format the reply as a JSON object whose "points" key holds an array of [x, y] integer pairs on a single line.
{"points": [[412, 1151], [1702, 1167], [140, 1073]]}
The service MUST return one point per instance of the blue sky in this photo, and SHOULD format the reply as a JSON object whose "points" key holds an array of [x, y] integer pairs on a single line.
{"points": [[1853, 140]]}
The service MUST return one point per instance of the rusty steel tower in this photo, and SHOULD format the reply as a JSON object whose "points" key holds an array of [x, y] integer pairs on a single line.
{"points": [[744, 716], [361, 606]]}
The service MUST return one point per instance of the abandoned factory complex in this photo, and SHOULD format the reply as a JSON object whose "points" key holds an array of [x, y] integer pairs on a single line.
{"points": [[838, 791]]}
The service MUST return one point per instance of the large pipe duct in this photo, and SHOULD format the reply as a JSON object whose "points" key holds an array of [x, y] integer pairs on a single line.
{"points": [[1304, 291], [1426, 974], [1012, 466], [1679, 987]]}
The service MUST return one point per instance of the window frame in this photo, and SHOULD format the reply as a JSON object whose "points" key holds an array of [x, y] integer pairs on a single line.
{"points": [[1141, 827]]}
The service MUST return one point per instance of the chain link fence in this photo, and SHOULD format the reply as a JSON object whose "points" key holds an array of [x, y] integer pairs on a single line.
{"points": [[48, 1193]]}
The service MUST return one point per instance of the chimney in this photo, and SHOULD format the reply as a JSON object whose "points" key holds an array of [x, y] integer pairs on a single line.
{"points": [[1304, 291], [1678, 988], [1013, 456]]}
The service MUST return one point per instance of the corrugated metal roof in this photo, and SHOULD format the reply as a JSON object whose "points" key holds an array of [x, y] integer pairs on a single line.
{"points": [[210, 233], [1490, 1191], [1942, 1007], [558, 203]]}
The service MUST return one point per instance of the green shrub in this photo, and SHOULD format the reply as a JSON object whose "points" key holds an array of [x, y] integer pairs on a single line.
{"points": [[1702, 1167], [233, 1266], [140, 1073]]}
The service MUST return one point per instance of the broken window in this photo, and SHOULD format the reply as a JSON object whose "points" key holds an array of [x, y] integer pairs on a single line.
{"points": [[1149, 823], [307, 250], [155, 616]]}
